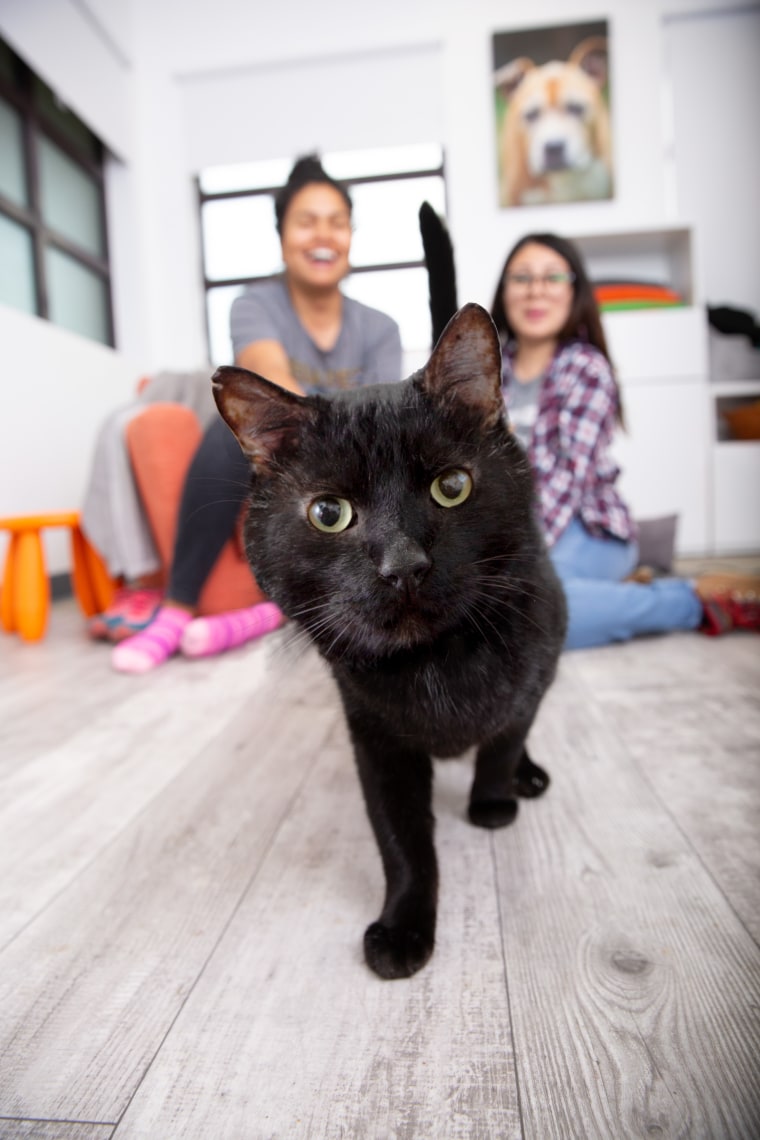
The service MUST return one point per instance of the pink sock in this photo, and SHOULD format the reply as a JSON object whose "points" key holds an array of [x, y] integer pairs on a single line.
{"points": [[153, 645], [204, 636]]}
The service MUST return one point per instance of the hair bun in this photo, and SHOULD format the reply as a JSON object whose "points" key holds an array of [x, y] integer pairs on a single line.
{"points": [[308, 168]]}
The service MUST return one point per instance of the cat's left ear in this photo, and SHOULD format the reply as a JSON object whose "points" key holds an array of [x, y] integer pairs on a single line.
{"points": [[265, 418], [465, 366]]}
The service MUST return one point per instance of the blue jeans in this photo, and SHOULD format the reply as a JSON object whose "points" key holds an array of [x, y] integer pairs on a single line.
{"points": [[602, 607]]}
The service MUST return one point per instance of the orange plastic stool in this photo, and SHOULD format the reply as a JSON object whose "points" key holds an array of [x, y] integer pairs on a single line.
{"points": [[25, 597]]}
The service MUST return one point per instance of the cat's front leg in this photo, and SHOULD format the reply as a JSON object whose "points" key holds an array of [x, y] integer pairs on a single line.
{"points": [[503, 771], [397, 784]]}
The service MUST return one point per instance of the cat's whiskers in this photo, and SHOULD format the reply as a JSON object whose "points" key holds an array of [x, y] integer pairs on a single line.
{"points": [[509, 603], [505, 561], [322, 617], [331, 647], [511, 585], [328, 622], [292, 646], [474, 609], [313, 608]]}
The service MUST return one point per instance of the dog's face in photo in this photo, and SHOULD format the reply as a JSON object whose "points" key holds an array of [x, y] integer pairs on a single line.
{"points": [[555, 143]]}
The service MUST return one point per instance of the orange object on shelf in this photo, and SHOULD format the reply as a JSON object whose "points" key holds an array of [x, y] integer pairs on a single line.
{"points": [[635, 292], [744, 422], [25, 596]]}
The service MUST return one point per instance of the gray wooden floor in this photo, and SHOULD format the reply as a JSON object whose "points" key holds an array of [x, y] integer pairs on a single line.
{"points": [[186, 871]]}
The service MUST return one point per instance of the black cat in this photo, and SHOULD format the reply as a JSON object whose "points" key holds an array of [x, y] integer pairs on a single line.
{"points": [[395, 525]]}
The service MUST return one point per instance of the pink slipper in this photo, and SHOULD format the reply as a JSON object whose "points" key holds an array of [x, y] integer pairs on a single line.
{"points": [[156, 644], [208, 635]]}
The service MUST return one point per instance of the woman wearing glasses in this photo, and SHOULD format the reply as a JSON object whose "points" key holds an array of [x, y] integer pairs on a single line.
{"points": [[564, 405]]}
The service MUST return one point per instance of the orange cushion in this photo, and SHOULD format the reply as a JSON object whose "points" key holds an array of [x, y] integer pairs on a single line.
{"points": [[162, 441]]}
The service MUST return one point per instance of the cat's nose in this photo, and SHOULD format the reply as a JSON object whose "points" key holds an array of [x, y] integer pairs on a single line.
{"points": [[404, 565]]}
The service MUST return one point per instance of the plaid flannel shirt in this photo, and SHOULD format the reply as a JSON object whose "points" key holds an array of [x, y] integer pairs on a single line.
{"points": [[569, 449]]}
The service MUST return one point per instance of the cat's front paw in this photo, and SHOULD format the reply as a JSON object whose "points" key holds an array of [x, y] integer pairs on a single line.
{"points": [[492, 813], [396, 951], [530, 780]]}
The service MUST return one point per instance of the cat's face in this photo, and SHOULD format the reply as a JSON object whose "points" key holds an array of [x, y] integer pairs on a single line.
{"points": [[382, 517]]}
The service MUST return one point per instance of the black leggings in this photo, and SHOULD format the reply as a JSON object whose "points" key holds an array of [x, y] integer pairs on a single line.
{"points": [[216, 485]]}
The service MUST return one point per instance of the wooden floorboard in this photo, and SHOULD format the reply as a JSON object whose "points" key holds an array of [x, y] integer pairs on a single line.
{"points": [[695, 748], [53, 1130], [325, 1047], [63, 800], [186, 871], [621, 951], [89, 988]]}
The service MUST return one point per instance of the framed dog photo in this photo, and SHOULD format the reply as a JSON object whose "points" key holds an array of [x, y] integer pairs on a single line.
{"points": [[552, 102]]}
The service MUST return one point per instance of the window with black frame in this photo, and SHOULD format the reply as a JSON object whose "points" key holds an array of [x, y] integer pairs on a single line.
{"points": [[53, 246], [387, 186]]}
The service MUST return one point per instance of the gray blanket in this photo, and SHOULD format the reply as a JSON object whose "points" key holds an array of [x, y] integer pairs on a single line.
{"points": [[112, 514]]}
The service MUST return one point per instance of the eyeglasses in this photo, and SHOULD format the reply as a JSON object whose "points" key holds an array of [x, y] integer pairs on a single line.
{"points": [[550, 282]]}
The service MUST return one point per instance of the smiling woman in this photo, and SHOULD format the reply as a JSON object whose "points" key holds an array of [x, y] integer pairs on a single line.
{"points": [[387, 269], [300, 332]]}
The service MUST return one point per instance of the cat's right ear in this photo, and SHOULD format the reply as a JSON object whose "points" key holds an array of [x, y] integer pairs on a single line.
{"points": [[265, 418], [465, 366]]}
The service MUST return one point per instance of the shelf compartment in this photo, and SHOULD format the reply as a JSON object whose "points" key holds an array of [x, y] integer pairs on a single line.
{"points": [[736, 479], [657, 344], [662, 255]]}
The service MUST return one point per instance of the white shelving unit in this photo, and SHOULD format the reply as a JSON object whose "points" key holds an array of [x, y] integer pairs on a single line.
{"points": [[664, 255], [735, 473], [661, 358]]}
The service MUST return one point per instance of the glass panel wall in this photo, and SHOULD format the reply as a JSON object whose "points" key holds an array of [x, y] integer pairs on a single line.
{"points": [[78, 297], [12, 168], [53, 248], [70, 199], [17, 287]]}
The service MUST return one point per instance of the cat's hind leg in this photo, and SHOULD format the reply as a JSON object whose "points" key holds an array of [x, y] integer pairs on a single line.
{"points": [[503, 771], [530, 779]]}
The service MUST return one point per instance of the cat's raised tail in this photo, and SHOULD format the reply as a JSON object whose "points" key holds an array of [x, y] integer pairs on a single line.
{"points": [[439, 259]]}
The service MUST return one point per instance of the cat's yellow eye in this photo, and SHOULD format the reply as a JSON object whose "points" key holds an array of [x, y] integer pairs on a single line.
{"points": [[330, 514], [451, 488]]}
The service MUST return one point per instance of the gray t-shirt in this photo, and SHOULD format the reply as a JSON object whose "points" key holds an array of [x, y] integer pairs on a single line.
{"points": [[367, 351], [522, 407]]}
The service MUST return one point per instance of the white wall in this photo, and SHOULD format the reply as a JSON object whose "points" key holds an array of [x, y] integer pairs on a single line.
{"points": [[713, 64], [55, 390], [158, 278], [56, 387], [273, 85], [176, 85], [82, 49], [347, 99]]}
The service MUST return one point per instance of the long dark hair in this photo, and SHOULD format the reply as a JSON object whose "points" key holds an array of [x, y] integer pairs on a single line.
{"points": [[583, 323]]}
